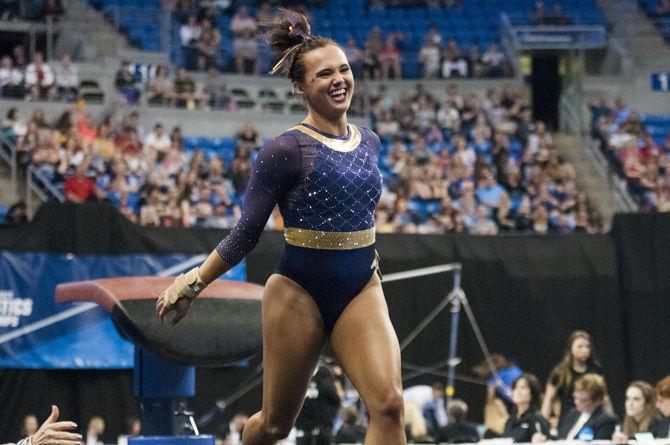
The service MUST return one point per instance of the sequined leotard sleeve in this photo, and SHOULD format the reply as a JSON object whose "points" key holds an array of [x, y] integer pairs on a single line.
{"points": [[275, 171]]}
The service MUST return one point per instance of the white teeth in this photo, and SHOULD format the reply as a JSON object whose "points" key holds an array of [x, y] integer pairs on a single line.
{"points": [[338, 92]]}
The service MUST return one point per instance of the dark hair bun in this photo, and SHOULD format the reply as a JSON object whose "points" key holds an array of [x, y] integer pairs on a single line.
{"points": [[292, 28]]}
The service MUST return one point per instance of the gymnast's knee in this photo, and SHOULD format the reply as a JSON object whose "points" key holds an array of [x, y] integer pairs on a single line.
{"points": [[277, 428], [389, 409]]}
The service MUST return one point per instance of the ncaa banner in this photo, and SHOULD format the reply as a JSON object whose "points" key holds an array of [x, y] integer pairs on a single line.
{"points": [[37, 332]]}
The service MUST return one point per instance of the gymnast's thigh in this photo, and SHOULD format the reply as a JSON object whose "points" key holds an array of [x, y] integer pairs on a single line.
{"points": [[366, 346], [293, 336]]}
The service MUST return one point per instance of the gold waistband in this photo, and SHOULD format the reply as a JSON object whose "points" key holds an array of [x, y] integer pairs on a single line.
{"points": [[316, 239]]}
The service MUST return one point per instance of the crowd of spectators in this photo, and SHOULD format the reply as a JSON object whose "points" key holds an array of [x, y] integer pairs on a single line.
{"points": [[634, 154], [146, 175], [155, 86], [37, 79], [465, 164], [379, 57], [201, 39], [452, 164]]}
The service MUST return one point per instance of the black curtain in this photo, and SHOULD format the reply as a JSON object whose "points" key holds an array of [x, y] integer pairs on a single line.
{"points": [[527, 293]]}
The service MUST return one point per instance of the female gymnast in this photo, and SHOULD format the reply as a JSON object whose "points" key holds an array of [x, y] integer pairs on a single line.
{"points": [[323, 175]]}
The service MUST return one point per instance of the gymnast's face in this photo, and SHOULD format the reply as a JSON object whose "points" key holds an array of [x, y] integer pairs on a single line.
{"points": [[328, 84]]}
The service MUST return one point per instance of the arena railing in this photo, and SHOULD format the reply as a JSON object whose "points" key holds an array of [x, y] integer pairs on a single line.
{"points": [[621, 193], [33, 31], [570, 37], [41, 186], [8, 154]]}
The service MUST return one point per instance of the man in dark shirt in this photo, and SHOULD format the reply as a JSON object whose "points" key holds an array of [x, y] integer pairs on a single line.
{"points": [[315, 420]]}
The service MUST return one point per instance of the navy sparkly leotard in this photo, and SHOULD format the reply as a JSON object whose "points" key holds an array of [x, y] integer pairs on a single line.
{"points": [[327, 188]]}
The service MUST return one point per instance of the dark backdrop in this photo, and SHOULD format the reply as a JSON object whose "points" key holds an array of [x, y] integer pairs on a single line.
{"points": [[527, 293]]}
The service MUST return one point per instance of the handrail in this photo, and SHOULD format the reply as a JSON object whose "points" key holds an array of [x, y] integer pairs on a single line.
{"points": [[621, 193], [31, 187], [10, 158], [564, 37], [573, 121]]}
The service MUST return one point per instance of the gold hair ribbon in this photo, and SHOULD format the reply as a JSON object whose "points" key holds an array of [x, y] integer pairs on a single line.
{"points": [[279, 64]]}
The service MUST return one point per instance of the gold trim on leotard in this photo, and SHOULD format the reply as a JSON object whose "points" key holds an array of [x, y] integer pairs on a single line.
{"points": [[345, 145], [317, 239]]}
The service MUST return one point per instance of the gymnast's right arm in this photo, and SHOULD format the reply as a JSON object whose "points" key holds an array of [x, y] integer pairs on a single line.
{"points": [[275, 171]]}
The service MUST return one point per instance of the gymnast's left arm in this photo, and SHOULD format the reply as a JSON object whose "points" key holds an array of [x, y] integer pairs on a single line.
{"points": [[275, 171]]}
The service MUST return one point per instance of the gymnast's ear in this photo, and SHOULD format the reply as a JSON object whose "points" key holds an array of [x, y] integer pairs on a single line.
{"points": [[297, 89]]}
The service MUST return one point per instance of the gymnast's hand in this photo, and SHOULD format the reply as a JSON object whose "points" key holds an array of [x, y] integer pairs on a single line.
{"points": [[179, 295], [55, 433]]}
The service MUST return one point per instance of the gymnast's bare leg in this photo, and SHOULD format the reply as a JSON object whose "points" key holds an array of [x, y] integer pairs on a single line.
{"points": [[367, 348], [293, 336]]}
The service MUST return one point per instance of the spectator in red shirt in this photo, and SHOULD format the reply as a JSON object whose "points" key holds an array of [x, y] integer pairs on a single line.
{"points": [[650, 150], [390, 58], [79, 187]]}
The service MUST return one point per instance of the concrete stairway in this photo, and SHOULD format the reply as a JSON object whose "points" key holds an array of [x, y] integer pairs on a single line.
{"points": [[599, 188], [646, 48], [88, 34]]}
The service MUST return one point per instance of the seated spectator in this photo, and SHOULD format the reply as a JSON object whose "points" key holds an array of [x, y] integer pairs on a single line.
{"points": [[371, 49], [208, 45], [126, 84], [13, 127], [67, 79], [184, 92], [483, 225], [588, 420], [459, 430], [493, 62], [248, 138], [355, 57], [474, 59], [157, 143], [11, 79], [390, 59], [17, 214], [217, 90], [662, 9], [429, 56], [52, 8], [189, 35], [415, 424], [158, 87], [538, 14], [641, 414], [95, 431], [662, 392], [40, 79], [453, 62], [20, 58], [10, 10], [79, 186], [231, 432], [243, 27], [29, 425], [525, 423], [557, 18], [351, 430]]}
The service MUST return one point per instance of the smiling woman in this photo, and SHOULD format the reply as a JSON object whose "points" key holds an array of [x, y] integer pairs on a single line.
{"points": [[323, 175]]}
